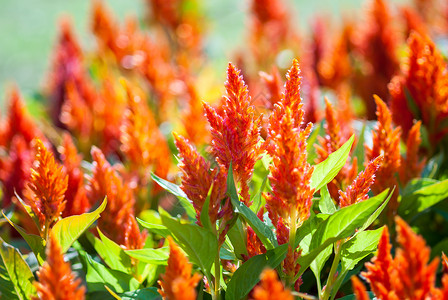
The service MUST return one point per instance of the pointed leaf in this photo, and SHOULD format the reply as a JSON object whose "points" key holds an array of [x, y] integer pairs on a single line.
{"points": [[155, 228], [248, 274], [199, 243], [423, 198], [70, 229], [205, 217], [17, 271], [261, 229], [157, 256], [98, 275], [176, 191], [325, 171], [326, 204], [36, 243], [238, 238], [340, 225]]}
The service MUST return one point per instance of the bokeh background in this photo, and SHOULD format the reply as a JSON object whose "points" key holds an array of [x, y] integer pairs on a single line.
{"points": [[28, 30]]}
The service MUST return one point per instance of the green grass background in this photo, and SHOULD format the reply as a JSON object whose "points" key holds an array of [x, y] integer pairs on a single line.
{"points": [[28, 29]]}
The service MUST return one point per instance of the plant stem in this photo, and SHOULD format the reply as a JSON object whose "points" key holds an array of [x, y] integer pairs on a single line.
{"points": [[292, 240], [334, 266], [215, 294]]}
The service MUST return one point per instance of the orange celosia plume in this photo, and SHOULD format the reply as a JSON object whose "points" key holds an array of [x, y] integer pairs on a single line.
{"points": [[236, 131], [56, 280], [290, 172], [47, 185], [411, 165], [358, 190], [177, 283], [359, 289], [386, 142], [407, 276], [424, 83], [117, 221], [270, 288]]}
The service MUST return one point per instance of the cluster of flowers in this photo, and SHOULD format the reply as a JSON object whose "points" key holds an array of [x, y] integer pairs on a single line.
{"points": [[112, 111]]}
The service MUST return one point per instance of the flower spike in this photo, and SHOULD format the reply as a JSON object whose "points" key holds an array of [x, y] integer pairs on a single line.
{"points": [[56, 280], [236, 131], [177, 282], [271, 288], [47, 185]]}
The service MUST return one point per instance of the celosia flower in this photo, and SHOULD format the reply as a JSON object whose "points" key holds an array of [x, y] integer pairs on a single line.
{"points": [[142, 142], [274, 83], [386, 142], [359, 289], [197, 180], [411, 165], [76, 198], [407, 276], [56, 279], [15, 169], [377, 43], [236, 132], [335, 137], [47, 185], [193, 118], [18, 122], [358, 190], [133, 238], [270, 288], [177, 283], [115, 220], [66, 66], [290, 173], [423, 81]]}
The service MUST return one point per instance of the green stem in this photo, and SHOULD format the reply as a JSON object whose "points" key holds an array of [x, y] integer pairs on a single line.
{"points": [[334, 266], [215, 294], [292, 241]]}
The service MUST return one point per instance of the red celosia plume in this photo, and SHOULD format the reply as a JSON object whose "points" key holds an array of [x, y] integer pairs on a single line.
{"points": [[236, 131], [270, 288]]}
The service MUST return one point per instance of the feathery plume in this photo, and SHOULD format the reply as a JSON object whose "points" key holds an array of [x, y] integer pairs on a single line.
{"points": [[290, 172], [423, 81], [407, 276], [270, 288], [177, 283], [411, 165], [56, 279], [236, 132], [386, 142], [359, 289], [48, 184], [106, 181], [76, 197], [358, 190], [377, 43]]}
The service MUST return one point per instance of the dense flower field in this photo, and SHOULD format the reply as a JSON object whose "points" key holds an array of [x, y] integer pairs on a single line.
{"points": [[317, 171]]}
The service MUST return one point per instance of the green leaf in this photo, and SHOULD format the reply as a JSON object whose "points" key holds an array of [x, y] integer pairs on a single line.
{"points": [[326, 204], [261, 229], [112, 254], [176, 191], [69, 229], [423, 198], [325, 171], [353, 296], [340, 225], [155, 228], [238, 238], [358, 247], [98, 275], [381, 197], [248, 274], [142, 294], [17, 271], [205, 217], [416, 184], [36, 243], [199, 243], [319, 262], [151, 256]]}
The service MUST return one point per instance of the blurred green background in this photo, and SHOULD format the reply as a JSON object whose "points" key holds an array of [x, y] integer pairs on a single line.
{"points": [[28, 30]]}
